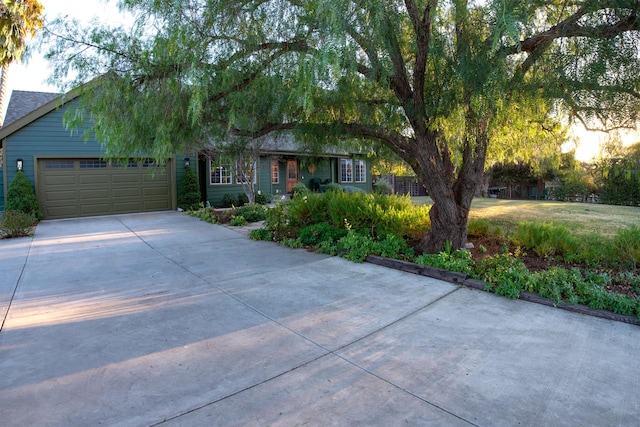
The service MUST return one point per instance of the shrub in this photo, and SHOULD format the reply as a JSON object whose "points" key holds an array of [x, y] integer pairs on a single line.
{"points": [[355, 247], [626, 245], [229, 200], [333, 186], [546, 239], [190, 191], [238, 221], [299, 190], [261, 234], [460, 260], [21, 197], [243, 199], [483, 228], [504, 273], [204, 214], [315, 234], [382, 186], [17, 223], [251, 212], [261, 198]]}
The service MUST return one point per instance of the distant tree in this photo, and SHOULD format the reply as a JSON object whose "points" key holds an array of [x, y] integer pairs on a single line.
{"points": [[619, 176], [19, 20], [436, 81]]}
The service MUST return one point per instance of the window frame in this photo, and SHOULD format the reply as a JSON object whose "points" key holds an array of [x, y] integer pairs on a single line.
{"points": [[346, 170], [226, 172], [275, 172], [359, 171]]}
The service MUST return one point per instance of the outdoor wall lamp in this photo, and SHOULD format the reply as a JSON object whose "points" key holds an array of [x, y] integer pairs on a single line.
{"points": [[187, 162], [19, 165]]}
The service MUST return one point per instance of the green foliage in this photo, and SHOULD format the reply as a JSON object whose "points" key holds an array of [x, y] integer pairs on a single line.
{"points": [[299, 190], [382, 186], [505, 273], [316, 234], [626, 244], [546, 239], [19, 20], [190, 191], [229, 200], [483, 228], [238, 221], [261, 198], [355, 246], [619, 177], [459, 260], [243, 199], [204, 214], [21, 197], [251, 212], [16, 224], [333, 186], [261, 234]]}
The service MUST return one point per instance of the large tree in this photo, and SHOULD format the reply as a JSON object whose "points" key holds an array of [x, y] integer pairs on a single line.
{"points": [[19, 20], [435, 81]]}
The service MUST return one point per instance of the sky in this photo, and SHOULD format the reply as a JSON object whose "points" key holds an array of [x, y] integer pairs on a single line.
{"points": [[32, 75]]}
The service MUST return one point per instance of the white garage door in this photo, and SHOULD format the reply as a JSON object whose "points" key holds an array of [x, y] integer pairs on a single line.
{"points": [[69, 188]]}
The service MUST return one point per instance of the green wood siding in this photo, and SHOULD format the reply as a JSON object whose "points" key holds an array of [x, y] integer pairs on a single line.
{"points": [[46, 137]]}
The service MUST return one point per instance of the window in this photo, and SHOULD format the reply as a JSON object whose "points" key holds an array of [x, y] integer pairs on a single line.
{"points": [[346, 170], [220, 172], [59, 164], [275, 172], [245, 168], [360, 167], [93, 164]]}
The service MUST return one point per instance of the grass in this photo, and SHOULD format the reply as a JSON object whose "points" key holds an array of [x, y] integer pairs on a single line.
{"points": [[580, 218]]}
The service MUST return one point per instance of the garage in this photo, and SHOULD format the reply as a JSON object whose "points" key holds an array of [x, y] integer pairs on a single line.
{"points": [[75, 187]]}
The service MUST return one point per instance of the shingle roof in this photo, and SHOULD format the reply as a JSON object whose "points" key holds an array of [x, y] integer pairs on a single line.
{"points": [[24, 102]]}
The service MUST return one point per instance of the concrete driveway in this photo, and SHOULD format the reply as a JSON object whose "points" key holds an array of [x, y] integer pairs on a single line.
{"points": [[139, 320]]}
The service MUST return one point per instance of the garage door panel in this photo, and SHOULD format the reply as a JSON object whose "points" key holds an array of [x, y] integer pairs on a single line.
{"points": [[61, 211], [155, 178], [89, 209], [87, 187], [96, 193], [127, 206], [126, 178], [126, 192], [54, 196], [88, 177], [155, 191], [158, 205], [62, 179]]}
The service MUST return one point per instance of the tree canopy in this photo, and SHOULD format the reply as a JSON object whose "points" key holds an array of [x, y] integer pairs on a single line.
{"points": [[19, 20], [439, 82]]}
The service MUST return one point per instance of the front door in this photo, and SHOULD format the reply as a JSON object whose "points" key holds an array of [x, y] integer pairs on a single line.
{"points": [[292, 174]]}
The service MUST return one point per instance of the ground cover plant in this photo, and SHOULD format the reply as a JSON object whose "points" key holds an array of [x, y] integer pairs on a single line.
{"points": [[563, 258]]}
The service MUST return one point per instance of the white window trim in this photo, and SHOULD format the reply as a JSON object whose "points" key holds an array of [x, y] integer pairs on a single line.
{"points": [[215, 165], [346, 162], [363, 177]]}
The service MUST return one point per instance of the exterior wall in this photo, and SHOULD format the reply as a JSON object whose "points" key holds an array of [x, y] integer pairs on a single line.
{"points": [[47, 137], [2, 169], [324, 169]]}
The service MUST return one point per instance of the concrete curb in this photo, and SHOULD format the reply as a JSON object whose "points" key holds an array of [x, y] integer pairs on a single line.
{"points": [[465, 280]]}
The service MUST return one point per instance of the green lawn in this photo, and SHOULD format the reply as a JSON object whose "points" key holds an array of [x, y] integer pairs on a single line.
{"points": [[580, 218]]}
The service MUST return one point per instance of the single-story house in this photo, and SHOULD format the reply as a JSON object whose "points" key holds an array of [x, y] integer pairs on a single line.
{"points": [[71, 178]]}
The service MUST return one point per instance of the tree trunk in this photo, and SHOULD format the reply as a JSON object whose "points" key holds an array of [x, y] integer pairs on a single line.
{"points": [[4, 81], [452, 195]]}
